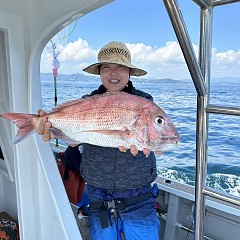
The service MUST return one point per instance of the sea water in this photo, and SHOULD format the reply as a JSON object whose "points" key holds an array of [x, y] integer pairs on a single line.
{"points": [[179, 100]]}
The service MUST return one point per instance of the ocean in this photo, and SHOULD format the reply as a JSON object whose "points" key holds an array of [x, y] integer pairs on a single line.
{"points": [[178, 99]]}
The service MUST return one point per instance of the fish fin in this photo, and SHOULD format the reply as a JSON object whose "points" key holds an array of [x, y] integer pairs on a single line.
{"points": [[66, 104], [117, 133], [59, 107], [24, 122], [60, 135]]}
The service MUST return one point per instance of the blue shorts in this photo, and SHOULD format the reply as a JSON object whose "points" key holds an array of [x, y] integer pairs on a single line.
{"points": [[137, 221]]}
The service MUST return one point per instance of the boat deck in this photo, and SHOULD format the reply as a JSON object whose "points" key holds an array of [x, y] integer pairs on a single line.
{"points": [[175, 197]]}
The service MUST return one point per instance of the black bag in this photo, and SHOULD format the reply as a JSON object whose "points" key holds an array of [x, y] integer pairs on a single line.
{"points": [[71, 159]]}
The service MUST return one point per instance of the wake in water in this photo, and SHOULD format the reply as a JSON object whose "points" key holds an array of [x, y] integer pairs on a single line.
{"points": [[223, 182]]}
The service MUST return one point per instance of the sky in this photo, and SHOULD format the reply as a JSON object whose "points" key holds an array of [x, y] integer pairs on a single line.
{"points": [[145, 28]]}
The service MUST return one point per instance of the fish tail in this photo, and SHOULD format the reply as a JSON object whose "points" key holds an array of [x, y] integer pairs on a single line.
{"points": [[24, 122]]}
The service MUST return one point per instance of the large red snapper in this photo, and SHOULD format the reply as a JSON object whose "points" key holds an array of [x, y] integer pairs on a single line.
{"points": [[109, 120]]}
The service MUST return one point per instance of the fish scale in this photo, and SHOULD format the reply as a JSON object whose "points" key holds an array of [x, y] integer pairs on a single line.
{"points": [[117, 118]]}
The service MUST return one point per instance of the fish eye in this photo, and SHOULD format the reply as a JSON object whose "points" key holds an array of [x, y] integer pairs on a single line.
{"points": [[159, 120]]}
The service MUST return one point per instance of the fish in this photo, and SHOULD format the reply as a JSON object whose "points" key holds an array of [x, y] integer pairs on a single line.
{"points": [[111, 119]]}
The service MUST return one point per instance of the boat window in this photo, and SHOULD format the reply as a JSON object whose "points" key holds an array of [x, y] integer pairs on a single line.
{"points": [[223, 153], [224, 90], [224, 133], [181, 108], [177, 96]]}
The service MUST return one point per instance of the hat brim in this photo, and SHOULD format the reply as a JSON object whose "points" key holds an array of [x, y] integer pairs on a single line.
{"points": [[94, 69]]}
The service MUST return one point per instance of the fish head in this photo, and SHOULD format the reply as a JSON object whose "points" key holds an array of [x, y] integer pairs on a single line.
{"points": [[155, 130]]}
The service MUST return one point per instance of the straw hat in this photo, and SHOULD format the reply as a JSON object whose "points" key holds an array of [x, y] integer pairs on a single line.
{"points": [[114, 52]]}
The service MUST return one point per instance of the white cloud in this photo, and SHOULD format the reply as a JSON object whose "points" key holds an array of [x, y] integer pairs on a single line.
{"points": [[75, 56], [163, 62], [225, 64]]}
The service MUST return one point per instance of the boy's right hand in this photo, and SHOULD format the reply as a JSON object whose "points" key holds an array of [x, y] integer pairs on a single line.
{"points": [[43, 127]]}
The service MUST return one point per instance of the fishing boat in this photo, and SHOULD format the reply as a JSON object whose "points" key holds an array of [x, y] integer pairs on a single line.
{"points": [[31, 189]]}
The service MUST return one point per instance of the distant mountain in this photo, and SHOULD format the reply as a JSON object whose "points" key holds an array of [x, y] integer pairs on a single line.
{"points": [[225, 80], [88, 78], [69, 77], [157, 81]]}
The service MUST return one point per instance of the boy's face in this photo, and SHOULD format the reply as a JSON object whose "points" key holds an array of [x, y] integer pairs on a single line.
{"points": [[114, 76]]}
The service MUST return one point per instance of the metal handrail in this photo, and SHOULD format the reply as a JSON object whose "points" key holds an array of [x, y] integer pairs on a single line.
{"points": [[223, 110], [186, 45], [219, 195], [223, 2], [200, 73]]}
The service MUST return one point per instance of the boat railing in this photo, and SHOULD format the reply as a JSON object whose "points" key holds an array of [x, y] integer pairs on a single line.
{"points": [[200, 72]]}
